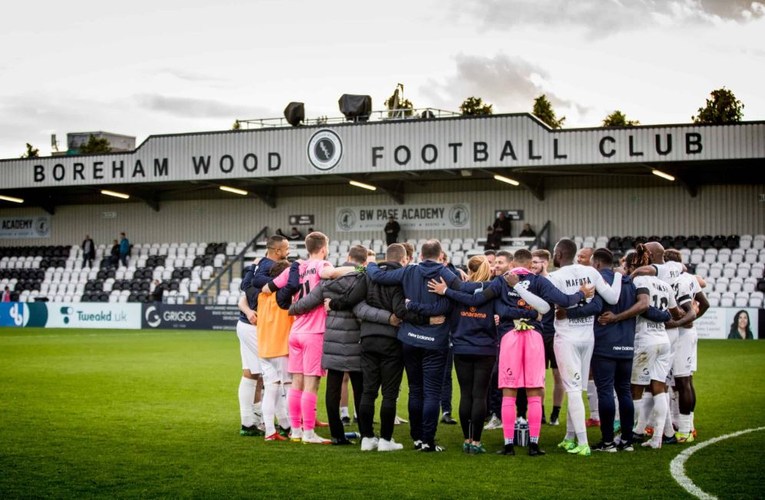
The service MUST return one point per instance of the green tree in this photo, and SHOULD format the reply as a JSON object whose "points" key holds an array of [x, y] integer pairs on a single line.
{"points": [[237, 125], [474, 106], [398, 106], [722, 108], [95, 145], [543, 110], [618, 119], [32, 152]]}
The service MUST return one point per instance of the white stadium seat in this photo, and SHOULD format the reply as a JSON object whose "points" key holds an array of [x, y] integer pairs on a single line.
{"points": [[741, 300], [735, 285]]}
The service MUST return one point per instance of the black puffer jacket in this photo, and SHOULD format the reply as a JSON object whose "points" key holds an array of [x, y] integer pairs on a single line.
{"points": [[379, 302], [342, 347]]}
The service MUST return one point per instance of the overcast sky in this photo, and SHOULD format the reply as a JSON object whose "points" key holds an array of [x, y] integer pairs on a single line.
{"points": [[155, 67]]}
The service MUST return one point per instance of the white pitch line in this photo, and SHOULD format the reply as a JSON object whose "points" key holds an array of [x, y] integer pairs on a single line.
{"points": [[677, 466]]}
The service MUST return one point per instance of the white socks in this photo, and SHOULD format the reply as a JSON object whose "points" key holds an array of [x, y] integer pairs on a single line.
{"points": [[576, 414], [247, 388], [270, 398], [644, 408], [669, 430], [274, 405], [282, 408], [660, 407]]}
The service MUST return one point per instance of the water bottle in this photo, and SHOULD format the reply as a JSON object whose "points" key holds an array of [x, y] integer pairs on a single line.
{"points": [[352, 435]]}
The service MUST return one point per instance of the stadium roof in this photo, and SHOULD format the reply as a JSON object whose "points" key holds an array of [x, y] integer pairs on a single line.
{"points": [[397, 157]]}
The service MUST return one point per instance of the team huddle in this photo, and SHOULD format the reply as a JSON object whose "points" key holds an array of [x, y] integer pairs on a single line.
{"points": [[505, 320]]}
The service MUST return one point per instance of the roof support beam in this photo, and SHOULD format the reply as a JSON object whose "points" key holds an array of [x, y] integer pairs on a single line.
{"points": [[535, 184], [48, 207], [152, 202], [688, 185], [393, 189], [267, 195]]}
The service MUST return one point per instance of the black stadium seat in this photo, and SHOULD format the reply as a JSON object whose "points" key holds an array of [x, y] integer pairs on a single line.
{"points": [[705, 242], [692, 242], [732, 241], [719, 241], [628, 243]]}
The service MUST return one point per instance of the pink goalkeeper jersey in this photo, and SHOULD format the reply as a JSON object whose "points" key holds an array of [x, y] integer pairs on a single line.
{"points": [[315, 320]]}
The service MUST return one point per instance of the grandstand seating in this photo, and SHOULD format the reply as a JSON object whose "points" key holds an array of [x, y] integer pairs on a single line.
{"points": [[56, 274], [732, 266]]}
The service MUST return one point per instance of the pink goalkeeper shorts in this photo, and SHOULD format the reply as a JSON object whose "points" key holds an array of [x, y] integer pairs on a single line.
{"points": [[521, 360], [305, 354]]}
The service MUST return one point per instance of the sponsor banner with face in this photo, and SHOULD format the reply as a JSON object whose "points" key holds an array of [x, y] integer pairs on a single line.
{"points": [[36, 226], [93, 315], [436, 216], [728, 323], [741, 323], [191, 317]]}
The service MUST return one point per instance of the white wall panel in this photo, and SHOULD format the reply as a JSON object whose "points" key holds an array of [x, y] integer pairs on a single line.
{"points": [[606, 210]]}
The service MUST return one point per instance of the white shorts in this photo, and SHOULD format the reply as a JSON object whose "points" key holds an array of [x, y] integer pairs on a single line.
{"points": [[248, 346], [650, 362], [275, 370], [573, 357], [684, 363]]}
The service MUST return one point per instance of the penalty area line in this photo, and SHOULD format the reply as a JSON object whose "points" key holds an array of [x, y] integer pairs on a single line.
{"points": [[677, 465]]}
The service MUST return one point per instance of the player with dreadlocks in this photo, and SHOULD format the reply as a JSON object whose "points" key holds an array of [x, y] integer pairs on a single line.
{"points": [[652, 361]]}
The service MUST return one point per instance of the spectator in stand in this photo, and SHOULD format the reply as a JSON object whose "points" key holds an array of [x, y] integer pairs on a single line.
{"points": [[159, 290], [124, 249], [7, 294], [527, 231], [490, 244], [392, 228], [88, 251], [500, 229], [293, 236], [115, 253]]}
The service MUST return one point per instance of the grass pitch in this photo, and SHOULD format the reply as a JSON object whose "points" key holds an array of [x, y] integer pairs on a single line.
{"points": [[127, 414]]}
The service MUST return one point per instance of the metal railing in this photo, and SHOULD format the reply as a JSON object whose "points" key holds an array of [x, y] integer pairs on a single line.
{"points": [[538, 241], [381, 115], [202, 295]]}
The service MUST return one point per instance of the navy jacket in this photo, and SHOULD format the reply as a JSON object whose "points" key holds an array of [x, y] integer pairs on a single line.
{"points": [[414, 281], [258, 275], [472, 327], [253, 275]]}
